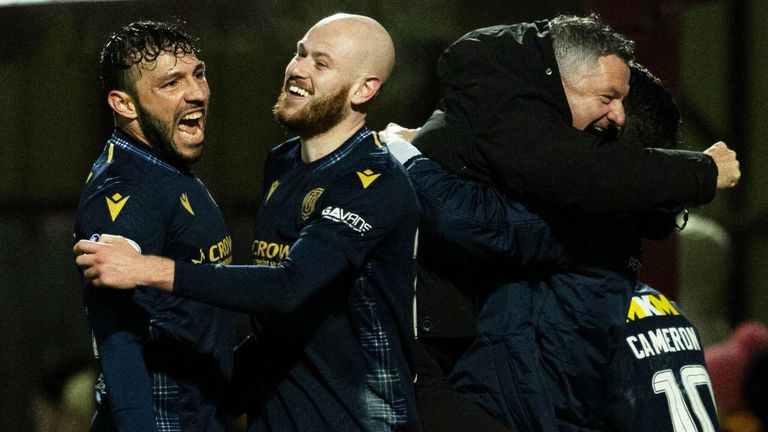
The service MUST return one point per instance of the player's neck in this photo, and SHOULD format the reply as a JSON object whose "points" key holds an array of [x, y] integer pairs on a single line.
{"points": [[320, 145], [133, 130]]}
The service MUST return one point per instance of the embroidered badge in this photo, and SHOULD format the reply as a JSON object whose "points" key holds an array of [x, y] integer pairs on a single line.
{"points": [[308, 205]]}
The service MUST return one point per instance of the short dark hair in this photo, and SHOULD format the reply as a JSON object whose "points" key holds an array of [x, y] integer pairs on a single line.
{"points": [[140, 41], [652, 116], [580, 40]]}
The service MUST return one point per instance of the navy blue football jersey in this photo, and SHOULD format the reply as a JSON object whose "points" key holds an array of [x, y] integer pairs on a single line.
{"points": [[165, 360], [333, 284], [658, 380]]}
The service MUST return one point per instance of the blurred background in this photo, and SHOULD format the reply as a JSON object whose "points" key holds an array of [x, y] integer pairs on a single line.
{"points": [[712, 55]]}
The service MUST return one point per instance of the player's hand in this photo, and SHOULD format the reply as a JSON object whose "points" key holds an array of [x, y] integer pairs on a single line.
{"points": [[728, 172], [394, 131], [112, 262]]}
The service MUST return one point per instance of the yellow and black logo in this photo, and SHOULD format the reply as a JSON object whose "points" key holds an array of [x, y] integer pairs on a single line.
{"points": [[308, 205], [219, 252], [269, 253], [649, 305], [367, 177], [272, 188], [185, 203], [115, 203]]}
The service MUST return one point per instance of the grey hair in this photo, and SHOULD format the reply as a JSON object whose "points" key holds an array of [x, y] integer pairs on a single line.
{"points": [[579, 41]]}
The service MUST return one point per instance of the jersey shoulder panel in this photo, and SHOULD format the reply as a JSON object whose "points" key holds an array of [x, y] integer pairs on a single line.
{"points": [[376, 186], [129, 197]]}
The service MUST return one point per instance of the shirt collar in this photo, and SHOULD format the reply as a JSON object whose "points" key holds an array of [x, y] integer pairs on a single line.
{"points": [[338, 154], [125, 142]]}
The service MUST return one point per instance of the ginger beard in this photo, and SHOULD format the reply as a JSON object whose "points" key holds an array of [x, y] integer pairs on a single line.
{"points": [[318, 116], [160, 134]]}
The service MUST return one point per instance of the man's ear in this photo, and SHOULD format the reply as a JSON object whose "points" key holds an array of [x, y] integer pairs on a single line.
{"points": [[122, 104], [365, 89]]}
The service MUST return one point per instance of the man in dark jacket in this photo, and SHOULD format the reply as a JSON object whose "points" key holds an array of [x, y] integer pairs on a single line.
{"points": [[578, 290], [521, 105], [517, 113]]}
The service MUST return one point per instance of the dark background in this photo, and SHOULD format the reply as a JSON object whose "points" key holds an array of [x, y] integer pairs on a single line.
{"points": [[54, 121]]}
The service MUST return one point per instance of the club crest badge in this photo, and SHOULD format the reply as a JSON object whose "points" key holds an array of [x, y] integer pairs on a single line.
{"points": [[308, 205]]}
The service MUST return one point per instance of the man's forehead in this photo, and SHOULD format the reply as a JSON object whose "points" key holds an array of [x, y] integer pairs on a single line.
{"points": [[316, 42], [314, 46], [333, 41], [620, 86], [165, 64], [168, 60], [611, 74]]}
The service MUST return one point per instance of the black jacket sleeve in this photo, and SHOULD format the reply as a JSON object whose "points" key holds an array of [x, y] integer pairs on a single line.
{"points": [[529, 155], [559, 165], [505, 119]]}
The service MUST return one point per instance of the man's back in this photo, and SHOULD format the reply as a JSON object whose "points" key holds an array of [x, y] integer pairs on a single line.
{"points": [[658, 379]]}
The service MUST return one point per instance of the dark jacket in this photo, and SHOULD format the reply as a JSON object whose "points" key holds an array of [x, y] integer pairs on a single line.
{"points": [[532, 310], [464, 232], [472, 240], [504, 119]]}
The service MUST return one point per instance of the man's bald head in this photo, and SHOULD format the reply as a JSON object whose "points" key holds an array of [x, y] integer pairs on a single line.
{"points": [[365, 43], [339, 68]]}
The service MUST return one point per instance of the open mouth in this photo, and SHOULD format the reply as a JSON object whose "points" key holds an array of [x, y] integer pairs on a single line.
{"points": [[191, 124], [298, 91]]}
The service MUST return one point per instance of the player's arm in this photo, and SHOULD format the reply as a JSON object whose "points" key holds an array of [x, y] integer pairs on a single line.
{"points": [[311, 264], [325, 249], [116, 326], [470, 215]]}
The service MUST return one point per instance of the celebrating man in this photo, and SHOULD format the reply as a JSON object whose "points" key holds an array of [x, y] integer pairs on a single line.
{"points": [[333, 244], [165, 360]]}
